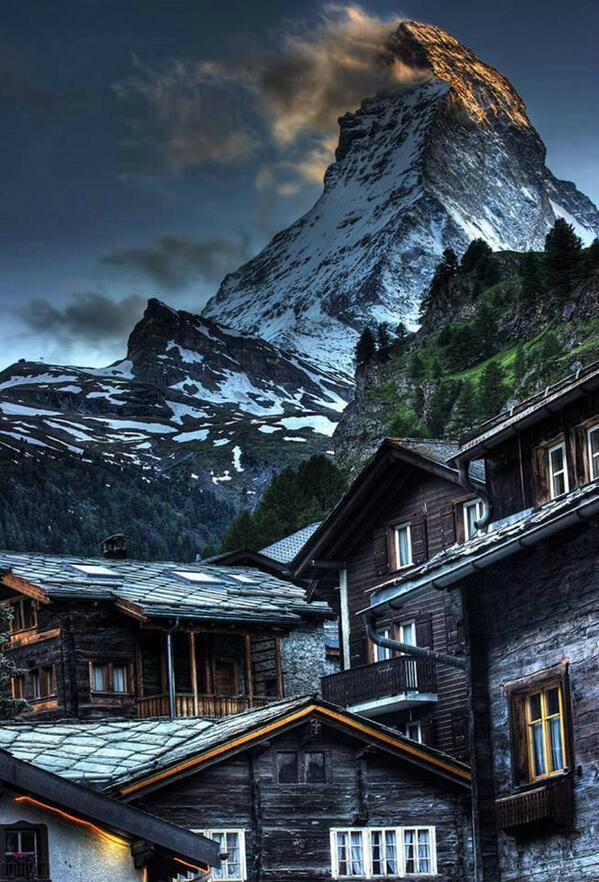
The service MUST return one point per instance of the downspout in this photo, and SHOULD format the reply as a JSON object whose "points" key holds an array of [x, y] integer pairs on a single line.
{"points": [[441, 658], [480, 490]]}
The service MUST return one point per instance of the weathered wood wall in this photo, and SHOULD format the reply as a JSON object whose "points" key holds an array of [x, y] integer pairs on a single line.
{"points": [[287, 825]]}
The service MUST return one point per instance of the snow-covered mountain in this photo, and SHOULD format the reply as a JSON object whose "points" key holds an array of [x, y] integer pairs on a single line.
{"points": [[227, 410], [451, 158]]}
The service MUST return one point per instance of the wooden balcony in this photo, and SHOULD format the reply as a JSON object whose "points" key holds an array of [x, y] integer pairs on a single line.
{"points": [[544, 807], [382, 687], [204, 706], [13, 868]]}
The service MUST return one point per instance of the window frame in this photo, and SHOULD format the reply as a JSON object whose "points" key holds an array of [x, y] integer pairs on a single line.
{"points": [[43, 674], [544, 719], [591, 457], [478, 504], [41, 832], [365, 834], [20, 603], [560, 445], [387, 652], [240, 831], [517, 694], [302, 767], [110, 666], [397, 529], [418, 725]]}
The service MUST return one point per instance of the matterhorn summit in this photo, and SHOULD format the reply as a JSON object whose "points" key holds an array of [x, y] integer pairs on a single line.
{"points": [[449, 158]]}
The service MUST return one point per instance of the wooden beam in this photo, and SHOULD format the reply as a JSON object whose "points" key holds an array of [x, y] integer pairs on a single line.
{"points": [[22, 586], [194, 674], [279, 668], [249, 676]]}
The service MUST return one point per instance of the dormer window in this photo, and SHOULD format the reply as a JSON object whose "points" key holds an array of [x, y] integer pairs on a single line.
{"points": [[403, 546], [473, 512], [593, 450], [558, 470]]}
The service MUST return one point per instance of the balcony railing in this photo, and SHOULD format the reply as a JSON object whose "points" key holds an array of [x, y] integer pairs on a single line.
{"points": [[394, 677], [24, 868], [207, 705], [549, 803]]}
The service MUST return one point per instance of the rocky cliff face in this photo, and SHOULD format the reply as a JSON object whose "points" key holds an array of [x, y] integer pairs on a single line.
{"points": [[450, 159], [225, 410]]}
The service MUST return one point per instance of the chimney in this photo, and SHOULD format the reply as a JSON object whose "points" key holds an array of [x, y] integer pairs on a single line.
{"points": [[115, 547]]}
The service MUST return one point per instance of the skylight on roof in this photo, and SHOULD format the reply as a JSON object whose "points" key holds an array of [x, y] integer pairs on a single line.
{"points": [[93, 570], [191, 576], [245, 579]]}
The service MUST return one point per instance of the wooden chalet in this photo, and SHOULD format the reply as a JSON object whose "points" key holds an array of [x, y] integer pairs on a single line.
{"points": [[529, 591], [403, 508], [298, 790], [55, 830], [122, 637]]}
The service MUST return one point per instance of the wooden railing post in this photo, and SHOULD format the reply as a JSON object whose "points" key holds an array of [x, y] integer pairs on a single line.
{"points": [[249, 675], [194, 673]]}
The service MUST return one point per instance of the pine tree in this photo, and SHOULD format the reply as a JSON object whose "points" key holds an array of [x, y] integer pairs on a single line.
{"points": [[466, 410], [366, 348], [531, 282], [591, 258], [562, 258], [383, 339], [519, 364], [417, 367], [491, 390], [550, 347], [9, 707]]}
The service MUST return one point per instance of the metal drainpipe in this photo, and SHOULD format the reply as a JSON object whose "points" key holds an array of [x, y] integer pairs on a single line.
{"points": [[465, 480], [170, 673], [441, 658]]}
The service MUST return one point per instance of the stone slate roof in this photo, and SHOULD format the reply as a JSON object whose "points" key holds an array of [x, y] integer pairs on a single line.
{"points": [[157, 590], [442, 452], [500, 535], [108, 754], [287, 548]]}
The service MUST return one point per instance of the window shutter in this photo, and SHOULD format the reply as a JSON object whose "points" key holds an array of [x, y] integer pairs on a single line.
{"points": [[424, 630], [426, 728], [419, 543], [459, 727], [447, 518], [517, 709], [454, 629], [381, 560]]}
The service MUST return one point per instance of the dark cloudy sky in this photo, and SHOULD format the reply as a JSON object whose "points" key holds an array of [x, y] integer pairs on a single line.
{"points": [[149, 146]]}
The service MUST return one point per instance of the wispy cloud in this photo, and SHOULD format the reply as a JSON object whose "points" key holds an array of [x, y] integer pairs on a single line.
{"points": [[176, 262], [285, 97]]}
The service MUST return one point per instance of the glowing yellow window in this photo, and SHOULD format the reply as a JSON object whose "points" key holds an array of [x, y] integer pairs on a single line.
{"points": [[545, 723]]}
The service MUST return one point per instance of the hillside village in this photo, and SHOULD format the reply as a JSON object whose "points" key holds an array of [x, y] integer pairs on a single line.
{"points": [[303, 587]]}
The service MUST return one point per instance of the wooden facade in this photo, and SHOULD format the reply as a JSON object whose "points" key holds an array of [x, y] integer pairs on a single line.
{"points": [[217, 670], [426, 496], [287, 827]]}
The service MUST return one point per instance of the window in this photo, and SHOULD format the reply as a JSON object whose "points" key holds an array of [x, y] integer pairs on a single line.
{"points": [[110, 677], [24, 614], [18, 686], [593, 451], [545, 724], [380, 852], [413, 731], [302, 767], [403, 546], [43, 682], [541, 726], [407, 634], [473, 512], [558, 470], [233, 843], [383, 653], [24, 851]]}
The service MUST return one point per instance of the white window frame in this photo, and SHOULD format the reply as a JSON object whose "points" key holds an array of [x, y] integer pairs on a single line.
{"points": [[593, 457], [552, 475], [400, 851], [224, 864], [418, 725], [477, 504], [384, 651], [396, 545]]}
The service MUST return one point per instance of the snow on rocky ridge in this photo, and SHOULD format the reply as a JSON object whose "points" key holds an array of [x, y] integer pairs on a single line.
{"points": [[451, 159], [190, 396]]}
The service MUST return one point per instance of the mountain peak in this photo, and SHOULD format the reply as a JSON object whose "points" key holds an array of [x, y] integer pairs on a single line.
{"points": [[448, 157]]}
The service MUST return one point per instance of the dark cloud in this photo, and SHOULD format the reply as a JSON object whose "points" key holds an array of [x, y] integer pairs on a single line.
{"points": [[16, 82], [88, 317], [175, 261], [199, 110]]}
